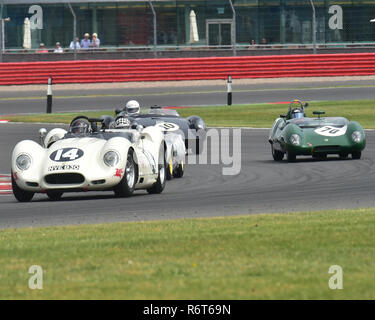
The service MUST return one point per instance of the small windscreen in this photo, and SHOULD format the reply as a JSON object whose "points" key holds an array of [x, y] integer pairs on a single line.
{"points": [[163, 112], [316, 123]]}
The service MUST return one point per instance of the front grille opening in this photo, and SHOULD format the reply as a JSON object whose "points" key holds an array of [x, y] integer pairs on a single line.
{"points": [[64, 178], [327, 149]]}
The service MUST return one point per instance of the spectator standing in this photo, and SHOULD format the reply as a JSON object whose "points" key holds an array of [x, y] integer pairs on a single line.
{"points": [[58, 48], [86, 42], [75, 44], [95, 42]]}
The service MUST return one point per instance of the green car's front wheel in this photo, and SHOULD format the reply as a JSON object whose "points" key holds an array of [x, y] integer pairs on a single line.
{"points": [[357, 155], [276, 154], [291, 157]]}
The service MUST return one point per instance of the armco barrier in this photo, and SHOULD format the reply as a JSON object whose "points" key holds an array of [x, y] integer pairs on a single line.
{"points": [[188, 69]]}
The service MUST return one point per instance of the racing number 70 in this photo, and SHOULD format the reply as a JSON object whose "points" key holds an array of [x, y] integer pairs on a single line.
{"points": [[330, 130]]}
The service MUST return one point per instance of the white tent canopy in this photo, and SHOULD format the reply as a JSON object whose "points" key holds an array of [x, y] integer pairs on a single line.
{"points": [[26, 34], [194, 37]]}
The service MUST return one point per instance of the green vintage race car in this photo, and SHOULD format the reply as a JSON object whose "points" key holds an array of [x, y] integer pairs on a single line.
{"points": [[294, 134]]}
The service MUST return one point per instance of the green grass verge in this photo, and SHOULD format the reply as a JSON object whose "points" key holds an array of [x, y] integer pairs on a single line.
{"points": [[269, 256], [253, 115]]}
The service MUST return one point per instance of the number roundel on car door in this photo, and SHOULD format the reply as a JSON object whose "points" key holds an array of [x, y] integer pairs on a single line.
{"points": [[66, 154], [329, 131], [167, 126]]}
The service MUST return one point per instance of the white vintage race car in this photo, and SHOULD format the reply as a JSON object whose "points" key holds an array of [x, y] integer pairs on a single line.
{"points": [[175, 144], [90, 159]]}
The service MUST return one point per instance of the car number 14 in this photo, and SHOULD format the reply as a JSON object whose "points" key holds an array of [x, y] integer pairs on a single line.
{"points": [[67, 154]]}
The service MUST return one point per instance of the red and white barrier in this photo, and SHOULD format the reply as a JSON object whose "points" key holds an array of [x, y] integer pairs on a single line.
{"points": [[92, 71]]}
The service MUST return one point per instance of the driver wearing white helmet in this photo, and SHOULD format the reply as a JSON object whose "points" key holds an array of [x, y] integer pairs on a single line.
{"points": [[132, 108]]}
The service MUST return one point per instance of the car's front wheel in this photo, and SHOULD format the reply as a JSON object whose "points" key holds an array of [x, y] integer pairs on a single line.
{"points": [[127, 184], [291, 157], [276, 154], [20, 194], [179, 171], [357, 155]]}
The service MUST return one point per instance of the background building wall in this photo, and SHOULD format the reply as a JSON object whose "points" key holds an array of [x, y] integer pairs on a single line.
{"points": [[130, 23]]}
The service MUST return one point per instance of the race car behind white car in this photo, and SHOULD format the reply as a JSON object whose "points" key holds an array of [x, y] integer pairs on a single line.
{"points": [[175, 144], [89, 159]]}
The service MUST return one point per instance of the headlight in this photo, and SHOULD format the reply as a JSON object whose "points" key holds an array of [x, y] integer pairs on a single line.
{"points": [[23, 162], [295, 139], [357, 136], [111, 158]]}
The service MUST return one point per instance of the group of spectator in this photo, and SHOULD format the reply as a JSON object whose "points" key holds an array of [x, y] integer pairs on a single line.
{"points": [[84, 44]]}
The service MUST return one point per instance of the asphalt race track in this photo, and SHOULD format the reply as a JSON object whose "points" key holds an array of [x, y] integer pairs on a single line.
{"points": [[13, 101], [262, 186]]}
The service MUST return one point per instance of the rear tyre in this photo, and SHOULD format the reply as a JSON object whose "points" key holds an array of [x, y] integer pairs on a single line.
{"points": [[54, 196], [179, 171], [159, 185], [357, 155], [291, 157], [276, 154], [20, 194], [127, 184]]}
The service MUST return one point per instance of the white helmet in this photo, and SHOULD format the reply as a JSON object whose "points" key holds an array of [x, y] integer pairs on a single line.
{"points": [[132, 107]]}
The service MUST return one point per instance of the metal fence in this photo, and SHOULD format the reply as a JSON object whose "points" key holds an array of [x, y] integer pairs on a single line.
{"points": [[167, 25]]}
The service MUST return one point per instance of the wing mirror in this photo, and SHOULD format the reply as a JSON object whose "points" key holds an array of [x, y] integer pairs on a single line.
{"points": [[283, 116], [42, 135]]}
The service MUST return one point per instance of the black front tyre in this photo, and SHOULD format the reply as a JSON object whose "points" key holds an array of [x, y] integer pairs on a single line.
{"points": [[20, 194], [54, 195], [159, 185], [179, 171], [276, 154], [169, 170], [291, 157], [127, 184], [356, 155]]}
